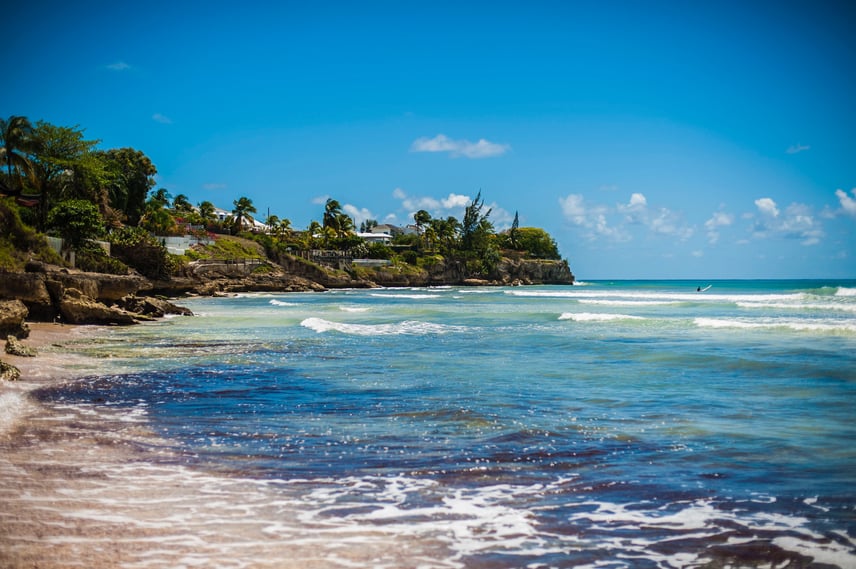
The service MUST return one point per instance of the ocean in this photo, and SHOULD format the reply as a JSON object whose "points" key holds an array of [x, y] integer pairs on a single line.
{"points": [[610, 424]]}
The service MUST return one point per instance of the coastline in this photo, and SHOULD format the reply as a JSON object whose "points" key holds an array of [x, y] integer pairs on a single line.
{"points": [[90, 484], [85, 485]]}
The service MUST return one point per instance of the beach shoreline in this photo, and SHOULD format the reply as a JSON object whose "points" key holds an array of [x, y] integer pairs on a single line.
{"points": [[90, 485]]}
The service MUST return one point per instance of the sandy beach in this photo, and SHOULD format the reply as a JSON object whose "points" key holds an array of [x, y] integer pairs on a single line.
{"points": [[88, 486]]}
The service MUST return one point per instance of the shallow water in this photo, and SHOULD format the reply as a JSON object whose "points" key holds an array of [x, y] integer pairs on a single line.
{"points": [[626, 424]]}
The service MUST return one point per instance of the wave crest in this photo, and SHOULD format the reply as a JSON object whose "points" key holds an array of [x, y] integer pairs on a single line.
{"points": [[406, 328], [596, 317]]}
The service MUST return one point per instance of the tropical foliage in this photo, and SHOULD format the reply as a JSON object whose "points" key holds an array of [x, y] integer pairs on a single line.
{"points": [[59, 181]]}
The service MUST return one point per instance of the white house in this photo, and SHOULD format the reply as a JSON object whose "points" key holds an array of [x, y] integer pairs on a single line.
{"points": [[254, 225], [373, 237]]}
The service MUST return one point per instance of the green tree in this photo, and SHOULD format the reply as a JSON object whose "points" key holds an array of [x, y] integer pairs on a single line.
{"points": [[446, 231], [161, 197], [157, 219], [284, 229], [272, 223], [513, 232], [180, 203], [206, 212], [76, 221], [132, 176], [535, 242], [66, 167], [475, 228], [16, 142], [422, 218], [243, 208], [332, 214]]}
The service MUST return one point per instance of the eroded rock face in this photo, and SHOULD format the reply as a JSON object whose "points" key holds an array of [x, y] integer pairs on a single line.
{"points": [[13, 314], [78, 308], [152, 306], [30, 289]]}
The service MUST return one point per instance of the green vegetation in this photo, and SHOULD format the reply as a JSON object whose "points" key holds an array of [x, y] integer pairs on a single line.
{"points": [[59, 182], [19, 242]]}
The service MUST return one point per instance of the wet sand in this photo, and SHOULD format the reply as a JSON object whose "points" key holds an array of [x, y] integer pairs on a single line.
{"points": [[89, 486]]}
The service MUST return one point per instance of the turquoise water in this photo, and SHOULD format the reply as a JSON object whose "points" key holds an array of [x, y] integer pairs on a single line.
{"points": [[608, 424]]}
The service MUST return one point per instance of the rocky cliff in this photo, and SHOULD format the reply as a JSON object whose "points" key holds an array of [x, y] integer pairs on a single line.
{"points": [[48, 293]]}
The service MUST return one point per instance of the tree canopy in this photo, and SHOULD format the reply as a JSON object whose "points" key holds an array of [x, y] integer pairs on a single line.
{"points": [[64, 183]]}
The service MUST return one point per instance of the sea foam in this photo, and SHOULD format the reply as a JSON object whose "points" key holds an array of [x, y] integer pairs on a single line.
{"points": [[822, 326], [596, 317], [408, 327]]}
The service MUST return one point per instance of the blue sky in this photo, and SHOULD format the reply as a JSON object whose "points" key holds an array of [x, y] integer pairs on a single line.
{"points": [[685, 139]]}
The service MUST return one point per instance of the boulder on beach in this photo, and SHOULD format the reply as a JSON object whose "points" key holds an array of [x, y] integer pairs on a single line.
{"points": [[12, 318], [15, 348], [8, 372], [78, 308]]}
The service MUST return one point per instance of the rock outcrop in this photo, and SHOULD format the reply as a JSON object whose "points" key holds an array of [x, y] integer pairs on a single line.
{"points": [[508, 272], [78, 308], [44, 292], [13, 314], [16, 348], [8, 372], [151, 306], [534, 271]]}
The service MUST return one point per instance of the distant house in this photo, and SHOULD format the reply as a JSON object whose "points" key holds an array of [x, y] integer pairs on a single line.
{"points": [[373, 237], [386, 228], [247, 224]]}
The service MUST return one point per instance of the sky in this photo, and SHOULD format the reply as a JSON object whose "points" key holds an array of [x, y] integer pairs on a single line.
{"points": [[652, 139]]}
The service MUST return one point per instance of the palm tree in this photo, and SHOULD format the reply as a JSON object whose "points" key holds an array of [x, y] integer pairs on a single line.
{"points": [[332, 214], [243, 208], [272, 222], [421, 218], [344, 225], [206, 211], [285, 226], [161, 197], [181, 203], [17, 141]]}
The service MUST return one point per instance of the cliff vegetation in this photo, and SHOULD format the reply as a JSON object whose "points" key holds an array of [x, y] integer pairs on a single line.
{"points": [[111, 220]]}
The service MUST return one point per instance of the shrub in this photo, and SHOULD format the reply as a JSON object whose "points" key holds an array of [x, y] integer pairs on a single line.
{"points": [[91, 257], [19, 242], [142, 251]]}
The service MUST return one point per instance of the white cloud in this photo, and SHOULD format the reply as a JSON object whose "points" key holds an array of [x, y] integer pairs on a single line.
{"points": [[320, 200], [767, 207], [697, 253], [670, 223], [848, 204], [118, 66], [574, 208], [358, 214], [796, 222], [797, 148], [638, 200], [799, 223], [719, 219], [451, 205], [455, 201], [456, 148], [636, 211], [591, 218], [163, 119]]}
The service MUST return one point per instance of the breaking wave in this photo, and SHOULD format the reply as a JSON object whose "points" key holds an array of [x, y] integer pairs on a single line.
{"points": [[406, 328]]}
